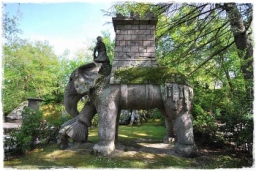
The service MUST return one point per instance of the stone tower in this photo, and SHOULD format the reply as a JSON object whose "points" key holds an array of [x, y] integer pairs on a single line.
{"points": [[135, 42]]}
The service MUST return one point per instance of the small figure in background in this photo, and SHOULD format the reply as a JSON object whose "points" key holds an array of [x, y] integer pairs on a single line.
{"points": [[43, 125], [134, 117], [101, 49]]}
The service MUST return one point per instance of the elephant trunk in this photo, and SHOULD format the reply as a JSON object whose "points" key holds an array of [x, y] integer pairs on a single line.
{"points": [[71, 98]]}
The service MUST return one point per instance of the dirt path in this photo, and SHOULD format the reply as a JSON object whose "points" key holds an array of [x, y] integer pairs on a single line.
{"points": [[145, 147]]}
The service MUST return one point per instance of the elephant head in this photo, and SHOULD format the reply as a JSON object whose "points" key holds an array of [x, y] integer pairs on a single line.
{"points": [[80, 82]]}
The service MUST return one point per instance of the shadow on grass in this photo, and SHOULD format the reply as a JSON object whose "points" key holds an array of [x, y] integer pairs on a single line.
{"points": [[50, 157]]}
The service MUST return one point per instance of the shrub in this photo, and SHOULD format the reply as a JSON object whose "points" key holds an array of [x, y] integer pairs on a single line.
{"points": [[59, 121], [204, 124], [154, 114], [95, 120], [51, 112], [29, 131]]}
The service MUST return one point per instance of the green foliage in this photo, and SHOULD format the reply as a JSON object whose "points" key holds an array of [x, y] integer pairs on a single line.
{"points": [[196, 40], [204, 123], [29, 131], [155, 75], [33, 70], [30, 70], [10, 26], [241, 124], [55, 115], [59, 121], [154, 114], [223, 117], [125, 8], [110, 45], [34, 130], [139, 156], [95, 120]]}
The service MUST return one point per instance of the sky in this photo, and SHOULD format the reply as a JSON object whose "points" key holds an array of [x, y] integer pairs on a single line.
{"points": [[65, 25]]}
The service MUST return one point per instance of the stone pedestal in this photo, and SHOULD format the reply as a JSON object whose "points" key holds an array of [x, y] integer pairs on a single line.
{"points": [[34, 103]]}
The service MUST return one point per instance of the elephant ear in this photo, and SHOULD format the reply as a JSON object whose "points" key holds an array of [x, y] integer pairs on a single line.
{"points": [[86, 77]]}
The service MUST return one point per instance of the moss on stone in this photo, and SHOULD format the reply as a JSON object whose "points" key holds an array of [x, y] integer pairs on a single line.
{"points": [[149, 75]]}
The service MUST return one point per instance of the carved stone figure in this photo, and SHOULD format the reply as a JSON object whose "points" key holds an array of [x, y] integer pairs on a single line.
{"points": [[101, 49], [134, 82], [108, 100], [126, 117]]}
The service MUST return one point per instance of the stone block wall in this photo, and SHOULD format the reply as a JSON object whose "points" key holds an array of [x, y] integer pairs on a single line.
{"points": [[135, 43]]}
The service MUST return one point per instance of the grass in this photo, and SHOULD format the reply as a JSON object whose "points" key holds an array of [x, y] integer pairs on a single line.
{"points": [[51, 157], [153, 75]]}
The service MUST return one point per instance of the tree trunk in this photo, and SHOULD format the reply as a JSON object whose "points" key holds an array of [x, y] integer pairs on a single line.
{"points": [[242, 41]]}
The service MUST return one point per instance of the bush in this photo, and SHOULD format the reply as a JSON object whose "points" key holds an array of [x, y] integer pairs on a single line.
{"points": [[204, 124], [239, 125], [51, 112], [59, 121], [95, 120], [154, 114], [29, 131], [34, 130]]}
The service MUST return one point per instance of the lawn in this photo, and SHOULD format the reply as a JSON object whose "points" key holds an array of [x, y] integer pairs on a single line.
{"points": [[139, 149]]}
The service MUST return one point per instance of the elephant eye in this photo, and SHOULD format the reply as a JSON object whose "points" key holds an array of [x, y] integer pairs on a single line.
{"points": [[70, 79]]}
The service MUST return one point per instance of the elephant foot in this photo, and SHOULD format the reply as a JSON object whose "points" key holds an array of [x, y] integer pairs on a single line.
{"points": [[185, 150], [105, 147], [168, 140]]}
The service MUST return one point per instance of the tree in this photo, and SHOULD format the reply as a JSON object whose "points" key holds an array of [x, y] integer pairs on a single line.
{"points": [[186, 29], [110, 44], [30, 70], [10, 26], [239, 28]]}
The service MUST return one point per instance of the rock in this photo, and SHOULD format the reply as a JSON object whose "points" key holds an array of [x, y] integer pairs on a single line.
{"points": [[16, 113]]}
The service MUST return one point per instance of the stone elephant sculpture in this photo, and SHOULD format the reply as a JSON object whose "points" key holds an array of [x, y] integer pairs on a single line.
{"points": [[173, 101]]}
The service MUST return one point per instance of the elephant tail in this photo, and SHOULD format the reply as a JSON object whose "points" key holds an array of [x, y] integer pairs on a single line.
{"points": [[78, 131]]}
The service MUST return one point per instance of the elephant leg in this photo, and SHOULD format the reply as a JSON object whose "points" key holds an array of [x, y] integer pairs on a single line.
{"points": [[170, 136], [78, 130], [185, 145], [107, 127]]}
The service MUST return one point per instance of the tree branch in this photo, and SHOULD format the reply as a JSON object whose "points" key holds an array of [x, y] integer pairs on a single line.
{"points": [[214, 54]]}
